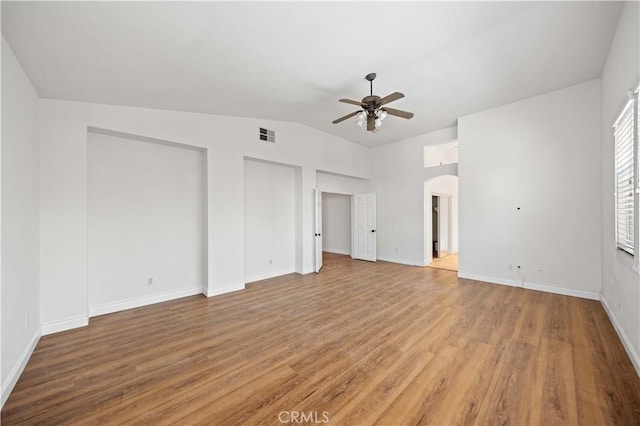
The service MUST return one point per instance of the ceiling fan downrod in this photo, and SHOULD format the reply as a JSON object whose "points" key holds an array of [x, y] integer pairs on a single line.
{"points": [[370, 77]]}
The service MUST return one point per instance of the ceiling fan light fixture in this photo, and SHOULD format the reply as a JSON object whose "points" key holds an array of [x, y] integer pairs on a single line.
{"points": [[372, 111]]}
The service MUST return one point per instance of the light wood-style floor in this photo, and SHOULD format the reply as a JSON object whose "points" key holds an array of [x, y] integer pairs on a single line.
{"points": [[362, 343], [449, 262]]}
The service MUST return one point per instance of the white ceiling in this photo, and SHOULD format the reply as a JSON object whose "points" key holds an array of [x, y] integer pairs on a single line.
{"points": [[292, 61]]}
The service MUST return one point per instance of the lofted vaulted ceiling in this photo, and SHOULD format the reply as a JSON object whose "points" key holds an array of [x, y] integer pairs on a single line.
{"points": [[292, 61]]}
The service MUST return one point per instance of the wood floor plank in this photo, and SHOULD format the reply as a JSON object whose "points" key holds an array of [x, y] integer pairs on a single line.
{"points": [[364, 343]]}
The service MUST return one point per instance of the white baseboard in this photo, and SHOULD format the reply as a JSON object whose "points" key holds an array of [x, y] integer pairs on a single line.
{"points": [[533, 286], [18, 368], [63, 325], [266, 276], [400, 261], [123, 305], [216, 291], [635, 360], [337, 251]]}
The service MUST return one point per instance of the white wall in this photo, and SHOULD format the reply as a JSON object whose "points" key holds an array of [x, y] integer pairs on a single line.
{"points": [[269, 212], [145, 220], [336, 223], [227, 140], [20, 223], [542, 155], [339, 184], [399, 176], [620, 284]]}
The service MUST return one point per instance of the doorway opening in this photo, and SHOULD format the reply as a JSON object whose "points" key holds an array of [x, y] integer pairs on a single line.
{"points": [[336, 223], [441, 222], [345, 224]]}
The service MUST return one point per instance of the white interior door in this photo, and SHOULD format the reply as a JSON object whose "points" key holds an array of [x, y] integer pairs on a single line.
{"points": [[365, 227], [318, 229]]}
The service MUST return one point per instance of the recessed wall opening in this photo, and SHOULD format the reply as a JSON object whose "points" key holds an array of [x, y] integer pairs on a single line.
{"points": [[146, 221], [270, 217], [440, 155]]}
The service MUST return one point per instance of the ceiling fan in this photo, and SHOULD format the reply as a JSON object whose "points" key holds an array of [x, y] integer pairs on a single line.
{"points": [[372, 110]]}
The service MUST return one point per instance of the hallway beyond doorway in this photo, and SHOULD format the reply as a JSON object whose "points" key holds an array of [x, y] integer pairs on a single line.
{"points": [[450, 263]]}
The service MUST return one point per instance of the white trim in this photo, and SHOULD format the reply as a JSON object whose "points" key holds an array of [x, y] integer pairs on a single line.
{"points": [[123, 305], [624, 110], [534, 286], [635, 360], [18, 367], [64, 325], [399, 261], [306, 271], [336, 251], [268, 275], [216, 291]]}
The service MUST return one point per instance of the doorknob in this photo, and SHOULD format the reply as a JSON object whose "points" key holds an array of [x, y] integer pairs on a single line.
{"points": [[373, 230]]}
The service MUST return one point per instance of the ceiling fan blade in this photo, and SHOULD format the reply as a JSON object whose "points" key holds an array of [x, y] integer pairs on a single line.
{"points": [[392, 97], [371, 123], [349, 101], [398, 113], [353, 114]]}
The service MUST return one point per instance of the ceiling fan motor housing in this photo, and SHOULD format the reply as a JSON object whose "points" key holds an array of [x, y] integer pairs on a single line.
{"points": [[372, 104]]}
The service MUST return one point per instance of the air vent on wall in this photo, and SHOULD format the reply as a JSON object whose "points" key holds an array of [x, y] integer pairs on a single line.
{"points": [[267, 135]]}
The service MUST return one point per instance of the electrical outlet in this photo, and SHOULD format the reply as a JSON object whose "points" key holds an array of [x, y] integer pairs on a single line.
{"points": [[149, 281]]}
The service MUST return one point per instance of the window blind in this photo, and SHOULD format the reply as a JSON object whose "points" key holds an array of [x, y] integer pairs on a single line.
{"points": [[625, 177]]}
